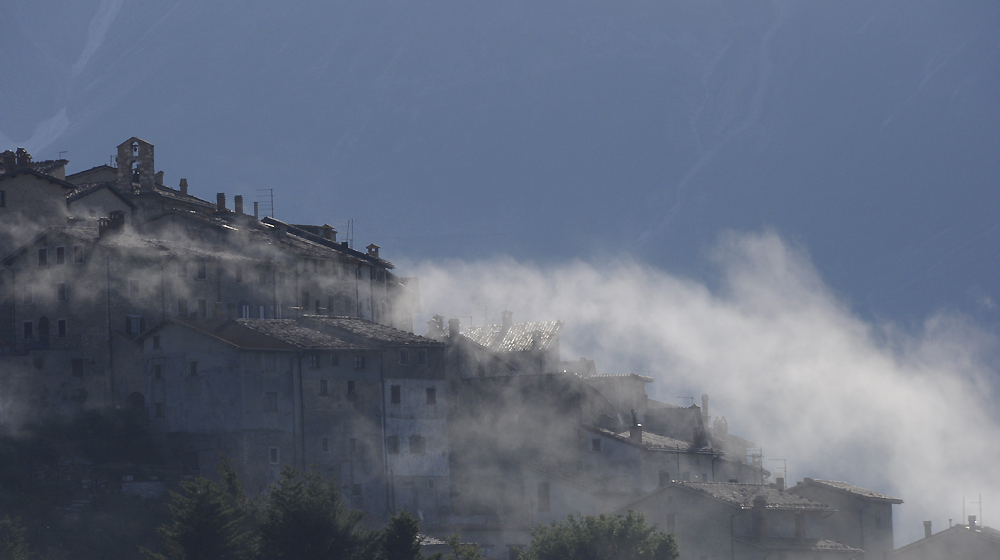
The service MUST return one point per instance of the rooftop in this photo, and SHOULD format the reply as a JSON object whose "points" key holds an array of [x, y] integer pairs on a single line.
{"points": [[369, 330], [519, 337], [850, 489], [652, 442], [743, 495], [264, 334]]}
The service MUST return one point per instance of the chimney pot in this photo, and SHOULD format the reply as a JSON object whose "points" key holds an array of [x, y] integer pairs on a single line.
{"points": [[453, 334], [635, 433], [238, 204], [184, 187], [927, 529], [255, 210], [780, 483], [972, 522], [373, 250], [220, 202]]}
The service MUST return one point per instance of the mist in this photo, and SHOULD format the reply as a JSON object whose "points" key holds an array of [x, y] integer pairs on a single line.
{"points": [[901, 411]]}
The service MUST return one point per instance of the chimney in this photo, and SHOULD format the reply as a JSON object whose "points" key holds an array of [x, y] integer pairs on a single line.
{"points": [[158, 179], [927, 529], [635, 433], [256, 211], [22, 158], [184, 187], [217, 311], [238, 204], [453, 330], [220, 202], [372, 250], [780, 483], [506, 319], [758, 517], [972, 522], [329, 233], [8, 161], [704, 408]]}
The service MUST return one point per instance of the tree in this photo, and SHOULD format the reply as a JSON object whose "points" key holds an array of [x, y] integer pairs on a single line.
{"points": [[205, 525], [603, 537], [304, 518], [12, 543], [400, 539], [463, 551]]}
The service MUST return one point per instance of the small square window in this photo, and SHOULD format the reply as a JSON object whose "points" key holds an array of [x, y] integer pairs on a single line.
{"points": [[158, 410], [392, 443], [274, 455], [394, 394], [270, 401], [404, 357], [61, 328], [135, 324], [422, 357], [60, 255], [416, 444], [359, 362], [351, 392], [43, 257], [77, 254], [324, 388], [61, 291], [432, 395], [326, 445], [193, 369], [314, 360], [156, 343], [157, 371]]}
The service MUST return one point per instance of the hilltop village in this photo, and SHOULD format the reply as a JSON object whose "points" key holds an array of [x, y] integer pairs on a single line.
{"points": [[278, 345]]}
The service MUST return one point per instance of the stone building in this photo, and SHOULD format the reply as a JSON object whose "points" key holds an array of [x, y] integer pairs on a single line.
{"points": [[531, 347], [958, 542], [863, 518], [364, 403]]}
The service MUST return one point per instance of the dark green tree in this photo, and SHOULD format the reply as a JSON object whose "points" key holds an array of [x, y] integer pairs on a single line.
{"points": [[400, 539], [304, 518], [204, 525], [602, 537], [12, 543], [463, 551]]}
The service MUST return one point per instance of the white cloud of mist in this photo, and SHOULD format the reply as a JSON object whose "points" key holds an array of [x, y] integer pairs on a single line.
{"points": [[791, 367]]}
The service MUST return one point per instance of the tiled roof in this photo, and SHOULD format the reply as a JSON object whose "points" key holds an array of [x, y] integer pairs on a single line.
{"points": [[84, 189], [264, 334], [291, 332], [519, 337], [44, 166], [653, 442], [600, 376], [372, 331], [851, 489], [743, 495]]}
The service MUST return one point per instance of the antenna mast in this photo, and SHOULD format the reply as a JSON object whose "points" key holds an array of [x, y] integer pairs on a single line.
{"points": [[265, 202]]}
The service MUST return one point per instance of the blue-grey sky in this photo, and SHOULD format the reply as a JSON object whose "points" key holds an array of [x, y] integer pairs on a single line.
{"points": [[865, 135]]}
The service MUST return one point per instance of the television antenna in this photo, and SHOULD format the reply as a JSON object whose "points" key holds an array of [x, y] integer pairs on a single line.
{"points": [[784, 468], [265, 202]]}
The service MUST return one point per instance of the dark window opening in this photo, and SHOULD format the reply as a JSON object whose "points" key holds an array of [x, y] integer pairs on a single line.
{"points": [[193, 369], [314, 360], [392, 442], [60, 255], [543, 497], [135, 324], [422, 357], [336, 359], [3, 199], [77, 254], [404, 357], [432, 395], [324, 388], [350, 388], [359, 362], [239, 275], [43, 257], [274, 455], [416, 444], [394, 394]]}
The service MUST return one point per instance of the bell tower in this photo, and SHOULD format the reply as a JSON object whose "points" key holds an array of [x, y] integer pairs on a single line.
{"points": [[135, 166]]}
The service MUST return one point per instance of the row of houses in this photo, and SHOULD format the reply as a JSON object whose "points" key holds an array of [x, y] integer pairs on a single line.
{"points": [[278, 345]]}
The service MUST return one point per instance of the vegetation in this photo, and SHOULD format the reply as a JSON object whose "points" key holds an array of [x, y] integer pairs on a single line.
{"points": [[12, 543], [602, 537]]}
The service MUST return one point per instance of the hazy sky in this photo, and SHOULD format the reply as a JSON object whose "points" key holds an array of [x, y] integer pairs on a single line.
{"points": [[861, 136]]}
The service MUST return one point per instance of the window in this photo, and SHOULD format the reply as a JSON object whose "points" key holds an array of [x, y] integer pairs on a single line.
{"points": [[61, 291], [595, 445], [60, 255], [324, 388], [422, 357], [394, 394], [305, 301], [392, 442], [26, 295], [182, 307], [326, 445], [671, 523], [270, 362], [336, 359], [274, 455], [404, 357], [77, 254], [3, 199], [193, 369], [350, 389], [314, 360], [61, 328], [359, 362], [29, 330], [201, 271], [244, 311], [157, 371], [156, 343], [543, 497], [416, 444], [182, 269], [432, 397], [135, 324], [43, 257], [158, 410], [202, 308], [270, 401], [76, 365]]}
